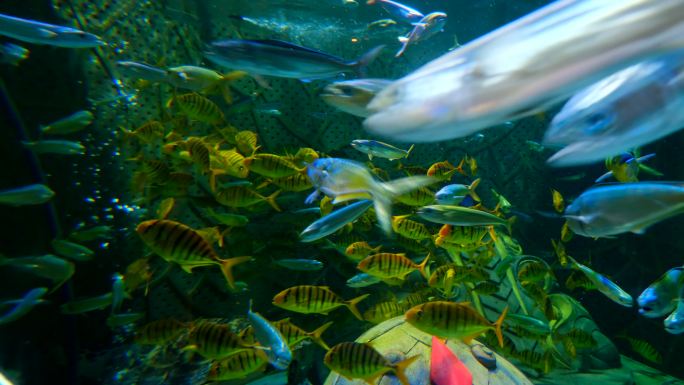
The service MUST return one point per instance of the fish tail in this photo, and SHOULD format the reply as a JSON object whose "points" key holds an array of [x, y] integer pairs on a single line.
{"points": [[227, 268], [271, 200], [472, 187], [422, 265], [351, 304], [366, 59], [400, 368], [316, 335], [497, 326], [408, 152]]}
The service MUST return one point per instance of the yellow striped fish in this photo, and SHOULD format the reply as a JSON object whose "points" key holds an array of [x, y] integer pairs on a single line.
{"points": [[463, 235], [532, 271], [160, 332], [148, 133], [214, 341], [231, 162], [383, 311], [359, 250], [246, 142], [197, 107], [178, 243], [453, 320], [303, 156], [292, 333], [566, 233], [442, 170], [644, 349], [271, 166], [199, 153], [239, 365], [419, 197], [389, 265], [296, 183], [410, 229], [315, 299], [242, 196], [358, 360]]}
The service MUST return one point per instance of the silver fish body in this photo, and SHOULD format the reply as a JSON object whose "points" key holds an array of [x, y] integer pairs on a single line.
{"points": [[353, 96], [631, 108], [23, 305], [334, 221], [660, 297], [400, 11], [59, 147], [613, 209], [33, 194], [70, 124], [282, 59], [300, 264], [674, 323], [379, 149], [31, 31], [141, 71], [524, 67], [452, 194], [607, 287], [269, 337], [459, 216], [427, 27], [362, 280]]}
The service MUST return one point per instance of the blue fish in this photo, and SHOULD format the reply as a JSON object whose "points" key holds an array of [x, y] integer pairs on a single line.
{"points": [[334, 221], [270, 339], [23, 305], [31, 31], [300, 264]]}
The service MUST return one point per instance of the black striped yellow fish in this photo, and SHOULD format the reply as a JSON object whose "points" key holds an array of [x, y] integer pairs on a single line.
{"points": [[230, 162], [293, 334], [197, 107], [297, 182], [358, 360], [238, 365], [532, 271], [246, 142], [422, 196], [148, 133], [160, 332], [178, 243], [383, 311], [410, 229], [463, 235], [214, 341], [199, 153], [360, 250], [271, 165], [389, 265], [242, 196], [453, 320], [644, 349], [315, 299]]}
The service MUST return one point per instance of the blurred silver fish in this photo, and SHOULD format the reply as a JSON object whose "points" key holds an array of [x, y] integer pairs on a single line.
{"points": [[85, 305], [118, 292], [459, 216], [283, 59], [628, 109], [32, 31], [353, 96], [270, 338], [362, 280], [613, 209], [12, 54], [604, 285], [380, 149], [300, 264], [524, 67], [141, 71], [398, 10], [334, 221], [72, 250], [427, 27], [33, 194], [59, 147], [70, 124], [660, 297], [47, 266], [23, 305]]}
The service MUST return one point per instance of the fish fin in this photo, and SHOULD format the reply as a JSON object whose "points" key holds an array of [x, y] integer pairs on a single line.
{"points": [[227, 268], [408, 152], [366, 59], [604, 177], [650, 170], [271, 200], [497, 326], [383, 211], [351, 304], [312, 197], [422, 265], [400, 368], [316, 335], [472, 187]]}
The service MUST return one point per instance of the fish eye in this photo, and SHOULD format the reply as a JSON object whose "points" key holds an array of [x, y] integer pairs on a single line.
{"points": [[419, 313]]}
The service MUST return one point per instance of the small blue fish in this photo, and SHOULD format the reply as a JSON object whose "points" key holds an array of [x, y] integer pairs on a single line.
{"points": [[398, 10], [31, 31], [300, 264], [362, 280], [453, 194], [33, 194], [23, 305], [423, 30], [12, 54], [334, 221], [270, 339], [381, 150]]}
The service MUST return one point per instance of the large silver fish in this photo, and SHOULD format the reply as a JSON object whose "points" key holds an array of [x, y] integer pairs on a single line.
{"points": [[32, 31], [353, 96], [524, 67], [628, 109], [344, 180], [283, 59], [613, 209]]}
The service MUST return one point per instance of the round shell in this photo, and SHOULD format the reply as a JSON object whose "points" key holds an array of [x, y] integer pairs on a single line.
{"points": [[396, 340]]}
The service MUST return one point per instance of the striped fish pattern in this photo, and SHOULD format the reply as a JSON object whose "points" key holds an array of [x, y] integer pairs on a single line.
{"points": [[241, 196], [199, 153], [453, 320], [410, 229], [232, 163], [315, 299], [383, 311], [178, 243], [197, 107], [359, 360], [419, 197], [271, 166], [238, 365], [296, 183], [292, 333], [360, 250], [214, 341], [442, 170], [246, 142], [389, 265], [463, 235], [159, 332]]}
